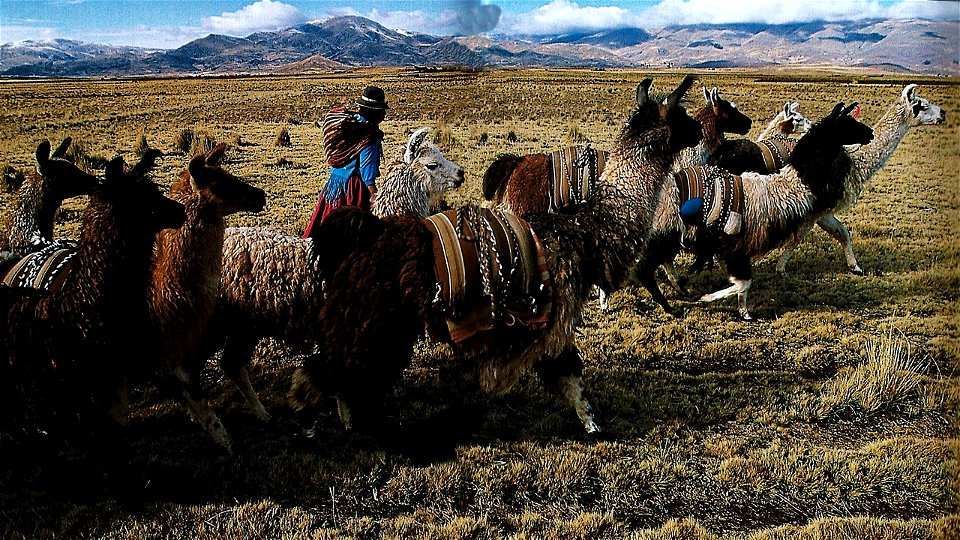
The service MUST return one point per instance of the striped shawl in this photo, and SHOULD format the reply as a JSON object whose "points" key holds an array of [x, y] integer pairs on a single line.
{"points": [[721, 192], [573, 174], [344, 136]]}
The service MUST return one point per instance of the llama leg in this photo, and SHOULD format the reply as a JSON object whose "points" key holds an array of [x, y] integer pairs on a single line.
{"points": [[789, 248], [563, 376], [839, 232], [344, 412], [740, 274], [200, 410], [604, 302], [237, 352], [674, 278]]}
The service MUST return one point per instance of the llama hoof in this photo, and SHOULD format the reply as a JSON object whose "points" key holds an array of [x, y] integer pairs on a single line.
{"points": [[744, 315], [858, 271]]}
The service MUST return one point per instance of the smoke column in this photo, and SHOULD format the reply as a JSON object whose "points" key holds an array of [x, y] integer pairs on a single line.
{"points": [[476, 18]]}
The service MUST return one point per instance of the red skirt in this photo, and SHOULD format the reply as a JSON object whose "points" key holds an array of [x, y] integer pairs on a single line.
{"points": [[356, 194]]}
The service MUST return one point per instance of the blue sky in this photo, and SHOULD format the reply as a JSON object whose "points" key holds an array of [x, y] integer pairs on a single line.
{"points": [[171, 23]]}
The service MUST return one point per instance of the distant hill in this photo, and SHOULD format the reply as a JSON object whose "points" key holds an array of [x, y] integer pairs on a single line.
{"points": [[910, 45]]}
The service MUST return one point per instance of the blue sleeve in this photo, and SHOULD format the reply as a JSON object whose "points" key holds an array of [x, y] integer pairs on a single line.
{"points": [[370, 163]]}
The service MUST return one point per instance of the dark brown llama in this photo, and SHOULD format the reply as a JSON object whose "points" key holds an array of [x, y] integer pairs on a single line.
{"points": [[766, 212], [40, 195], [186, 280], [382, 297], [75, 345]]}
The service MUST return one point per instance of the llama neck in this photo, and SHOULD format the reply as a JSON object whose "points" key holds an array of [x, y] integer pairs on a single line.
{"points": [[402, 193], [34, 215], [824, 167], [775, 127], [712, 139], [189, 259], [887, 134], [625, 203], [109, 280]]}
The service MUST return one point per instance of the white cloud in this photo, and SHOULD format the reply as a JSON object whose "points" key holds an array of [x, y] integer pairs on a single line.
{"points": [[263, 15], [14, 33], [443, 23], [561, 16]]}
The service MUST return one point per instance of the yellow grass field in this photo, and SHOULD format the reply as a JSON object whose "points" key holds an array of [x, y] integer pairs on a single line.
{"points": [[834, 415]]}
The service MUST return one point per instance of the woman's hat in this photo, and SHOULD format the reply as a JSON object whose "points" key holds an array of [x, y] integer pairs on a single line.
{"points": [[373, 98]]}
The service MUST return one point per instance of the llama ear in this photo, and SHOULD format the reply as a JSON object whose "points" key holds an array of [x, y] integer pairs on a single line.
{"points": [[707, 96], [908, 92], [674, 98], [114, 170], [61, 150], [787, 110], [43, 153], [837, 109], [414, 144], [715, 95], [147, 162], [215, 156], [198, 170], [847, 110], [643, 91]]}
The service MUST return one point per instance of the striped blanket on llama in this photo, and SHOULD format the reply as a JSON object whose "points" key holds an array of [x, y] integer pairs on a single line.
{"points": [[491, 271], [775, 152], [45, 269], [344, 136], [573, 174], [718, 198]]}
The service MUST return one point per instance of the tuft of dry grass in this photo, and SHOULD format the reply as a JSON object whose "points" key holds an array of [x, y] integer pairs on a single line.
{"points": [[282, 138], [890, 377]]}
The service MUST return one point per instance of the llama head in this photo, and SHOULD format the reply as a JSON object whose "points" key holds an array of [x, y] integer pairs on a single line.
{"points": [[923, 112], [843, 128], [219, 189], [61, 178], [664, 117], [793, 121], [135, 200], [729, 119], [428, 164]]}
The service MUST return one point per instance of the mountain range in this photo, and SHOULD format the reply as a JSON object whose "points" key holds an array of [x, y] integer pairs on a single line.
{"points": [[909, 45]]}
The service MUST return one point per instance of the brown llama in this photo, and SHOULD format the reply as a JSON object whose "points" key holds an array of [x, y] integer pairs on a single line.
{"points": [[907, 111], [75, 344], [746, 216], [383, 295], [40, 195], [272, 283], [186, 280]]}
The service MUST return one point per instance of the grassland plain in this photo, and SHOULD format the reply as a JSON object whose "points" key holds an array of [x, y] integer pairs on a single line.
{"points": [[833, 416]]}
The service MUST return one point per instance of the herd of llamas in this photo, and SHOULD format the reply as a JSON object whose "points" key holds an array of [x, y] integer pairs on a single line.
{"points": [[504, 282]]}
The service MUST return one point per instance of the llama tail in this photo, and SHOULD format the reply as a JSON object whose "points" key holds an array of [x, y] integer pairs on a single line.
{"points": [[495, 179]]}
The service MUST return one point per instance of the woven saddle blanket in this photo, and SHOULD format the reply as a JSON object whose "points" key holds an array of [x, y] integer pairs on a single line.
{"points": [[44, 269], [573, 174], [344, 137], [491, 271], [720, 197], [775, 151]]}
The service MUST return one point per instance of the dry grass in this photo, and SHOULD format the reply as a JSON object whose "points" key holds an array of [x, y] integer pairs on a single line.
{"points": [[834, 416]]}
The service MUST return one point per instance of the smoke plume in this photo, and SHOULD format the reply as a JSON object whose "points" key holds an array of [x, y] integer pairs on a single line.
{"points": [[476, 18]]}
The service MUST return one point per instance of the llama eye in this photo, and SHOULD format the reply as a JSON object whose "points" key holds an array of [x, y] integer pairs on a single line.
{"points": [[432, 166]]}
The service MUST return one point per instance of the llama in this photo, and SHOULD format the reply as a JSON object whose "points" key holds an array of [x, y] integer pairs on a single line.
{"points": [[368, 343], [765, 156], [40, 195], [422, 175], [769, 153], [908, 111], [186, 280], [527, 185], [788, 121], [762, 214], [272, 283], [81, 337]]}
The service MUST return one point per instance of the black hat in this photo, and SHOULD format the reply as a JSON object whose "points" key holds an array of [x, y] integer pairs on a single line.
{"points": [[373, 98]]}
